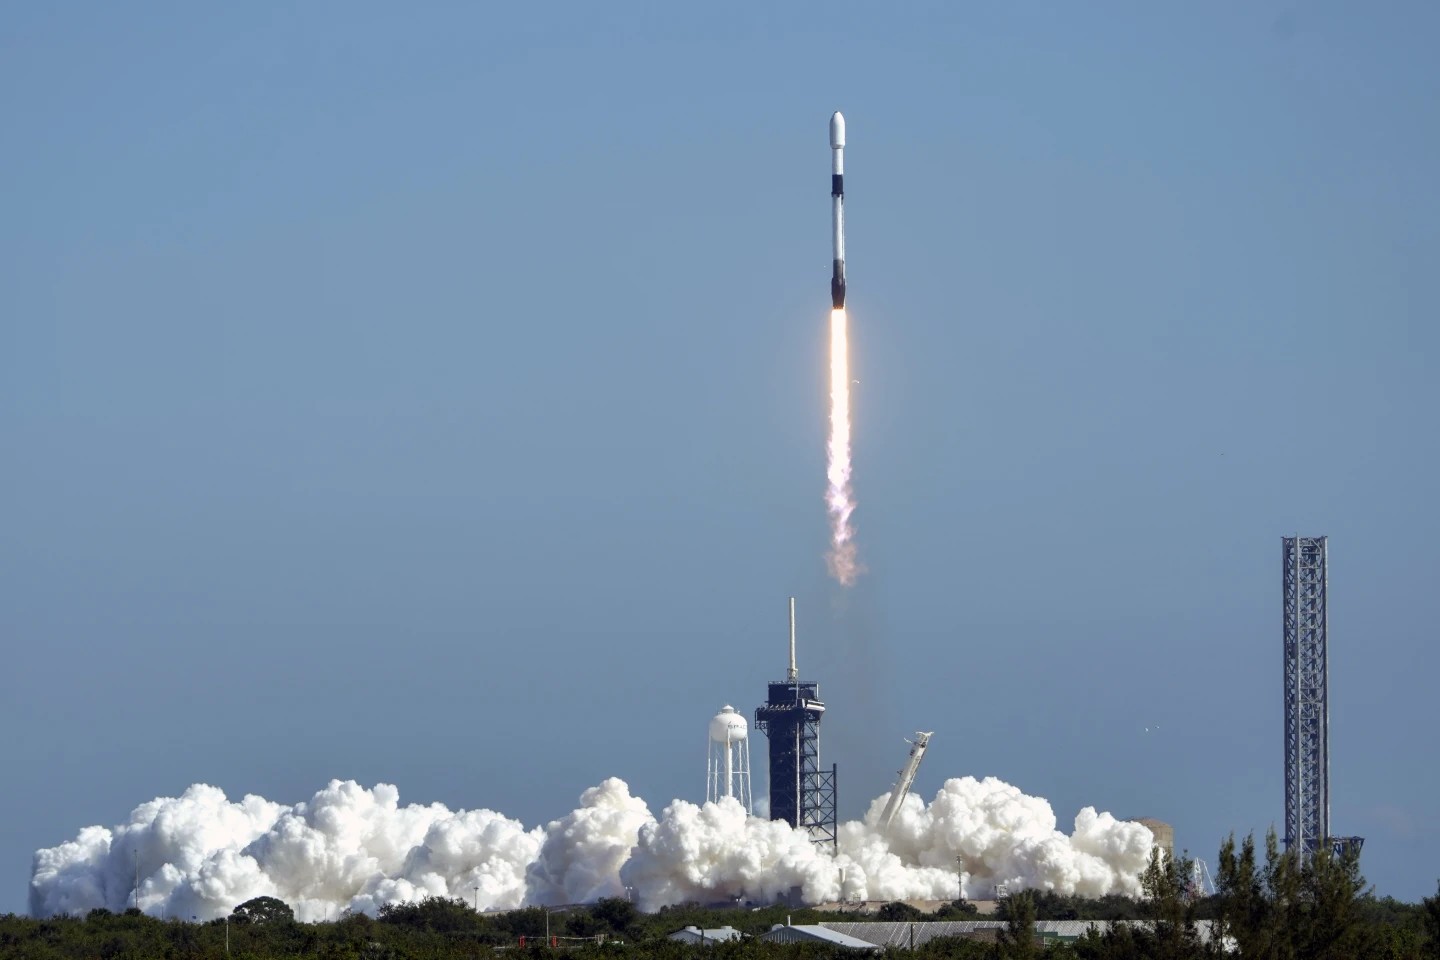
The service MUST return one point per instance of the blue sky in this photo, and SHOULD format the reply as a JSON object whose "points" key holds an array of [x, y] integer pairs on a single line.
{"points": [[436, 396]]}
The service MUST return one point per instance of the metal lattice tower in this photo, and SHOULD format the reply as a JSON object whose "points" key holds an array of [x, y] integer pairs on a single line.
{"points": [[1307, 696]]}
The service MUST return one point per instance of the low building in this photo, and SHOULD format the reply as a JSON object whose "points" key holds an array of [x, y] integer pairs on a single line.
{"points": [[705, 937], [907, 935], [815, 933]]}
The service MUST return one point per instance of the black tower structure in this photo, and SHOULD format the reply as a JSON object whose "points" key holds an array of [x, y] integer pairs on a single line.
{"points": [[801, 793]]}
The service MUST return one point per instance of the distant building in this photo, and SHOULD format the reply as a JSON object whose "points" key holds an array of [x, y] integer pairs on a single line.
{"points": [[814, 933], [907, 935], [705, 937]]}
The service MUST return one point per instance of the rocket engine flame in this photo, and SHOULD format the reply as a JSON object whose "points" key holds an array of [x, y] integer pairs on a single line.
{"points": [[839, 498]]}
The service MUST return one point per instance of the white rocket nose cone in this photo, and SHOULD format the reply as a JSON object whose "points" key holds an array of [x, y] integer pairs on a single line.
{"points": [[837, 130]]}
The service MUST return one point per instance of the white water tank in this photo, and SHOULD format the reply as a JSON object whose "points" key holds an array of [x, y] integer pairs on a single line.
{"points": [[727, 759], [728, 726]]}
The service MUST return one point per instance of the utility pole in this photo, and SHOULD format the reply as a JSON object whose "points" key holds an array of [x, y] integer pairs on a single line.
{"points": [[477, 898], [959, 879]]}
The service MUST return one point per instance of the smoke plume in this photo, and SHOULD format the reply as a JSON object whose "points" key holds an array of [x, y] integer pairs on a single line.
{"points": [[353, 848]]}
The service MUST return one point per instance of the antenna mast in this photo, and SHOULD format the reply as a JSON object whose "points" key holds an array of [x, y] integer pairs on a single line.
{"points": [[792, 674]]}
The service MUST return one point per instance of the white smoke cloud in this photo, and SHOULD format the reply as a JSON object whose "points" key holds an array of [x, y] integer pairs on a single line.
{"points": [[347, 848], [353, 848], [714, 852], [1004, 836], [583, 851]]}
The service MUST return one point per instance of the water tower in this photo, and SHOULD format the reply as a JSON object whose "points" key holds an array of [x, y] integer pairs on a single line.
{"points": [[728, 760]]}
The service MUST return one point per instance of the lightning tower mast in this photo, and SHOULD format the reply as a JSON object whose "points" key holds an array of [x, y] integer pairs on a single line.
{"points": [[1307, 695], [1307, 700]]}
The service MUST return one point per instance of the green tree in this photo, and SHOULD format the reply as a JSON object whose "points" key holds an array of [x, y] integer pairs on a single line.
{"points": [[898, 912], [1245, 907], [263, 910], [1050, 905], [1431, 918], [352, 932], [435, 914], [1388, 942], [1282, 876], [1328, 926], [1171, 912], [956, 910], [955, 948], [1317, 908], [1110, 907], [617, 914], [525, 922], [1017, 939]]}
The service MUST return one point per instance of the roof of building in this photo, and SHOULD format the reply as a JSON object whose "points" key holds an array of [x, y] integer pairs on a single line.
{"points": [[898, 934], [712, 935], [812, 933]]}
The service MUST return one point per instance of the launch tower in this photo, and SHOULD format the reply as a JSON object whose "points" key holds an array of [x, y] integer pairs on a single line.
{"points": [[1307, 700], [801, 793]]}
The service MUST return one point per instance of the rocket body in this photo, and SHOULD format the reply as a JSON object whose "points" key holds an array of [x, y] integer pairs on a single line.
{"points": [[837, 210]]}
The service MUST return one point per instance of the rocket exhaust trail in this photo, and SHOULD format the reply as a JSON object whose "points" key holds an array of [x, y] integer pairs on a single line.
{"points": [[839, 499]]}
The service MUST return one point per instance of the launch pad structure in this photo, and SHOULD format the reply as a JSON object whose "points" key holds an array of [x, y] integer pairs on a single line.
{"points": [[1307, 699], [906, 777], [801, 792]]}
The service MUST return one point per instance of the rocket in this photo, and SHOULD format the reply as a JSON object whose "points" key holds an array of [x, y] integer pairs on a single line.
{"points": [[837, 210]]}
